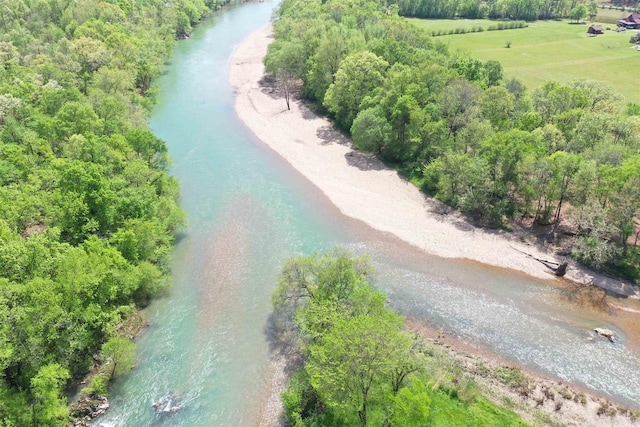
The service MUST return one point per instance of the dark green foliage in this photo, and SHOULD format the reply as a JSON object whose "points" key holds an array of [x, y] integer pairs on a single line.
{"points": [[527, 10], [500, 26], [87, 209], [451, 124]]}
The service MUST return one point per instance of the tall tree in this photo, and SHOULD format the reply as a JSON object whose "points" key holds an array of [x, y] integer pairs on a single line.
{"points": [[284, 62], [50, 406], [359, 75]]}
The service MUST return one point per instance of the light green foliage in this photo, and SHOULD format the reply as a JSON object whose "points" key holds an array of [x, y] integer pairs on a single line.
{"points": [[87, 208], [358, 76], [411, 406], [285, 63], [350, 363], [120, 352], [357, 352], [50, 407], [497, 106], [494, 71], [579, 13], [361, 367]]}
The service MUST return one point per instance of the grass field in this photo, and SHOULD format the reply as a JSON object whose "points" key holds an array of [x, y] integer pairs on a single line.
{"points": [[550, 50]]}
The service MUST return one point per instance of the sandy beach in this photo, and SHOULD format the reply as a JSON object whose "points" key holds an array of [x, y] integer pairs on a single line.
{"points": [[363, 188]]}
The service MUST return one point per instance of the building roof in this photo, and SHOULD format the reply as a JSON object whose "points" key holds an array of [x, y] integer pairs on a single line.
{"points": [[633, 19]]}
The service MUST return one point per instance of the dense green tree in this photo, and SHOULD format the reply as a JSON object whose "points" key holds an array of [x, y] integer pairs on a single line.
{"points": [[494, 71], [411, 406], [353, 360], [324, 63], [359, 366], [50, 407], [285, 63], [120, 352], [359, 75], [579, 13], [370, 130], [87, 209], [496, 105]]}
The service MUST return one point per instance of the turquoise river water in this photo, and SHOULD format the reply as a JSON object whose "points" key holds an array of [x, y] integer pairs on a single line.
{"points": [[248, 211]]}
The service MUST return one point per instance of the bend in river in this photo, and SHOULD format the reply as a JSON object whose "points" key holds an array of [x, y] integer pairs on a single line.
{"points": [[248, 211]]}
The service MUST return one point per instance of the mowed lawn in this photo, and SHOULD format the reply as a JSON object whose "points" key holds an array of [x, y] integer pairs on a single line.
{"points": [[550, 50]]}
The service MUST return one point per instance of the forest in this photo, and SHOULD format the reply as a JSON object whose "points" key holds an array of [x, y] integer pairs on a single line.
{"points": [[359, 365], [528, 10], [564, 158], [88, 212]]}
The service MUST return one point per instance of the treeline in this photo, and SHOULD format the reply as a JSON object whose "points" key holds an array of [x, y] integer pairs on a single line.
{"points": [[499, 26], [528, 10], [359, 366], [622, 3], [453, 126], [87, 209]]}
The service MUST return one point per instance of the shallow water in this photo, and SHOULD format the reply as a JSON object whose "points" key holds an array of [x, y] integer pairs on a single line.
{"points": [[248, 211]]}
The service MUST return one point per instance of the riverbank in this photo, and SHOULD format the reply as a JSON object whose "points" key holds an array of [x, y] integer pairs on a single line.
{"points": [[538, 399], [365, 189]]}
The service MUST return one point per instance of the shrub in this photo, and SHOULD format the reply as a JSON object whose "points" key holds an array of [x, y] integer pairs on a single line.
{"points": [[566, 393]]}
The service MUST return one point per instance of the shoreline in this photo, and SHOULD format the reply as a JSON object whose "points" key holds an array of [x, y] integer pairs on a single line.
{"points": [[363, 188], [547, 400]]}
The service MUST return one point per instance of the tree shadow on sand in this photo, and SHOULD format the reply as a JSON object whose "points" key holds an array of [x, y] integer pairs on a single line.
{"points": [[269, 86], [364, 162], [329, 135]]}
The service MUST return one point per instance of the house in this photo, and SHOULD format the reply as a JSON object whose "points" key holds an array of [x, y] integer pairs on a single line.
{"points": [[595, 29], [632, 21]]}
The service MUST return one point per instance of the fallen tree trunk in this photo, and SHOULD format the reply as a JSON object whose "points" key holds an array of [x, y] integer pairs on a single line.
{"points": [[559, 269]]}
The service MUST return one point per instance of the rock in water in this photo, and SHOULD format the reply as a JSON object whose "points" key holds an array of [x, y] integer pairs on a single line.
{"points": [[606, 333], [168, 404]]}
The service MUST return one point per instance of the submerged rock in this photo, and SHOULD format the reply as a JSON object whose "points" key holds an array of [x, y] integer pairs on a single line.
{"points": [[170, 403], [606, 333]]}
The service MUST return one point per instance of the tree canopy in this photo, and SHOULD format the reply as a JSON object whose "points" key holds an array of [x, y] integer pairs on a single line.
{"points": [[464, 133], [360, 366], [87, 208]]}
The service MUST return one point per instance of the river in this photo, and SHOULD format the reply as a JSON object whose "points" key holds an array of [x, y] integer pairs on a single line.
{"points": [[248, 211]]}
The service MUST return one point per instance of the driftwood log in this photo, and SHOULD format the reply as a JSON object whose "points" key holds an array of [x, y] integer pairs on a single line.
{"points": [[558, 268]]}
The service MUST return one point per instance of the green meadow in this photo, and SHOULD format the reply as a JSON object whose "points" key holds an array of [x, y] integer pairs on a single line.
{"points": [[549, 50]]}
